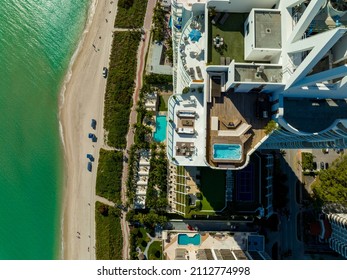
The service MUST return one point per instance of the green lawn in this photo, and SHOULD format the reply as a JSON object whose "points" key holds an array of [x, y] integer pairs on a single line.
{"points": [[212, 188], [141, 238], [232, 31], [109, 241], [130, 16], [155, 251], [109, 176], [163, 103]]}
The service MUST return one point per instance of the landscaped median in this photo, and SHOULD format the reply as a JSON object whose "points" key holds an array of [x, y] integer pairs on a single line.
{"points": [[109, 176], [109, 241], [130, 13], [120, 87]]}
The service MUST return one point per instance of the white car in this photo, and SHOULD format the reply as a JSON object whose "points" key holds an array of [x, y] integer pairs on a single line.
{"points": [[104, 72]]}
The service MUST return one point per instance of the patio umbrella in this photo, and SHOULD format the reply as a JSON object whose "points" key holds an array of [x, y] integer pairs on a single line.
{"points": [[195, 35]]}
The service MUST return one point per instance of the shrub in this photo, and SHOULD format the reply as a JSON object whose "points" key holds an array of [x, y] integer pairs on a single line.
{"points": [[199, 195], [271, 125], [130, 13], [120, 87], [186, 90]]}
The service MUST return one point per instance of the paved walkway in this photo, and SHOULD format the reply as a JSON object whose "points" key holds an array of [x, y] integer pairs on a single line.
{"points": [[104, 201], [133, 117]]}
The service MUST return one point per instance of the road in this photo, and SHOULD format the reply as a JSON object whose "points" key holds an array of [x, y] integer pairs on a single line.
{"points": [[288, 226], [143, 48]]}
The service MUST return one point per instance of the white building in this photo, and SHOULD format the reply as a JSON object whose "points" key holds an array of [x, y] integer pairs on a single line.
{"points": [[256, 61], [338, 238]]}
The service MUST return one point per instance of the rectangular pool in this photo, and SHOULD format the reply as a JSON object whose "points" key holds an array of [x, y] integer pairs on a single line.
{"points": [[227, 151], [160, 129], [184, 239]]}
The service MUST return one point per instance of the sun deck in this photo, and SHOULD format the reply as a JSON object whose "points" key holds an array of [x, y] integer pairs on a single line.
{"points": [[231, 119], [232, 32], [192, 50]]}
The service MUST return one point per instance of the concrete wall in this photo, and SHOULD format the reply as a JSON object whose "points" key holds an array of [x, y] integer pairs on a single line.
{"points": [[240, 6], [249, 36], [340, 50]]}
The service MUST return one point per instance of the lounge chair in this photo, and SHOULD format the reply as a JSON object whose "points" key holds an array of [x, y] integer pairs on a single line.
{"points": [[216, 18], [224, 18], [198, 71], [222, 60]]}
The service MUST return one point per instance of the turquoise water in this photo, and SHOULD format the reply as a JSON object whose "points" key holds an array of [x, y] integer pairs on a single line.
{"points": [[227, 151], [37, 40], [184, 239], [160, 129]]}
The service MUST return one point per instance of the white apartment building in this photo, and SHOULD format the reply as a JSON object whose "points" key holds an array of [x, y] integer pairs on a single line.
{"points": [[238, 64]]}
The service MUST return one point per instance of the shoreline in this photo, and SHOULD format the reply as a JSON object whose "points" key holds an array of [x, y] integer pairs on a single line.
{"points": [[90, 15], [81, 99]]}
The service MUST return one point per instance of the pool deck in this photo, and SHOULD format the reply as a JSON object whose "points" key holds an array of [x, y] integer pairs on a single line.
{"points": [[238, 108], [215, 240]]}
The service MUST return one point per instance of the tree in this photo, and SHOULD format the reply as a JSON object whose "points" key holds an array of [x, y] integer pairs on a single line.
{"points": [[331, 184], [307, 161], [271, 125]]}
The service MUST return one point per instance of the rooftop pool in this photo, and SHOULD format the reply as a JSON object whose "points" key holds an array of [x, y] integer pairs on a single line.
{"points": [[227, 151], [160, 129], [184, 239]]}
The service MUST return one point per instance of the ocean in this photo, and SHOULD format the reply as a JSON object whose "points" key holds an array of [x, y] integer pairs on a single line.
{"points": [[37, 40]]}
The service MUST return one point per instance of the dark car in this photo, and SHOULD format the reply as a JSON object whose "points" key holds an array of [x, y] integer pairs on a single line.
{"points": [[326, 165], [90, 157], [315, 165], [91, 135], [322, 165], [104, 72], [89, 167], [93, 124]]}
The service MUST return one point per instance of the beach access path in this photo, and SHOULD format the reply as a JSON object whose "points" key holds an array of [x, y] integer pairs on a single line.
{"points": [[83, 101], [143, 48]]}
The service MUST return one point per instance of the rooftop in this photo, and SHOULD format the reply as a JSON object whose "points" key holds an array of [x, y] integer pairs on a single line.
{"points": [[258, 73], [267, 30], [314, 115], [225, 242]]}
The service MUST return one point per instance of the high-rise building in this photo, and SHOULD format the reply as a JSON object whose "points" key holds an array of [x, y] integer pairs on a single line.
{"points": [[256, 74]]}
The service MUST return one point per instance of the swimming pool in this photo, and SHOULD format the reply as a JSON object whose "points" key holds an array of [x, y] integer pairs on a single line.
{"points": [[184, 239], [160, 129], [227, 151]]}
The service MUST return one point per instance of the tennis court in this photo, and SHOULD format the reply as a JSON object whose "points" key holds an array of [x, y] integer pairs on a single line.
{"points": [[245, 184]]}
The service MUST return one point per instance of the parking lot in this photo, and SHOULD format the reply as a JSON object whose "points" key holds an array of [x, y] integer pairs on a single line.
{"points": [[329, 157]]}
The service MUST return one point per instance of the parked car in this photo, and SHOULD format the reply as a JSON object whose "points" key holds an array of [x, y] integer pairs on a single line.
{"points": [[326, 165], [93, 124], [91, 135], [89, 167], [104, 72], [322, 165], [314, 165], [90, 157]]}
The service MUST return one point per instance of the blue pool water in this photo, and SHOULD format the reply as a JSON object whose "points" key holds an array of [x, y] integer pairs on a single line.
{"points": [[184, 239], [160, 129], [227, 151]]}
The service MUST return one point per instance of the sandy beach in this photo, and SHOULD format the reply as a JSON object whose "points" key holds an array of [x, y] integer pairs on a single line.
{"points": [[84, 100]]}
